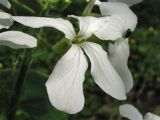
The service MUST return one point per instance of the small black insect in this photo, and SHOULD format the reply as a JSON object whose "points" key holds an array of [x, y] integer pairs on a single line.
{"points": [[128, 33]]}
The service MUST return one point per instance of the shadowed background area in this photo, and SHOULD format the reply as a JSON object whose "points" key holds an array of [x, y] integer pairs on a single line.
{"points": [[34, 104]]}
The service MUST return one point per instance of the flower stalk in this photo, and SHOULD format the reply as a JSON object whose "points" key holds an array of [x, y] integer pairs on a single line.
{"points": [[24, 67], [88, 8]]}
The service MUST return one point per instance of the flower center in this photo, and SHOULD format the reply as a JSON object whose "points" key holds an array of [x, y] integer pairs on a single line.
{"points": [[78, 39]]}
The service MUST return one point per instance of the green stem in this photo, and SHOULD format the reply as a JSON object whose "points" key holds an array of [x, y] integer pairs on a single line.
{"points": [[25, 65], [89, 7], [41, 29], [13, 8], [16, 65], [21, 4]]}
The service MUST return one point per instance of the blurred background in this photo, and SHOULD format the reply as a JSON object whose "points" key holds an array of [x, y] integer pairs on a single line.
{"points": [[144, 62]]}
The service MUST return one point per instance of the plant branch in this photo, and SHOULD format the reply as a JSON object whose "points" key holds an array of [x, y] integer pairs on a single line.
{"points": [[24, 67]]}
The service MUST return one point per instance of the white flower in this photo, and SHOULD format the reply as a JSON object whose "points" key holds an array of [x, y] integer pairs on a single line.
{"points": [[130, 112], [14, 39], [122, 22], [65, 84], [128, 2], [5, 3]]}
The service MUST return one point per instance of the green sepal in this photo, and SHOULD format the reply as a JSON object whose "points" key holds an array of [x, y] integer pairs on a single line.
{"points": [[62, 46]]}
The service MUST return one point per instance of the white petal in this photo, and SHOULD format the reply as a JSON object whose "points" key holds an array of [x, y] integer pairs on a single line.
{"points": [[65, 84], [102, 71], [115, 8], [113, 30], [151, 116], [5, 20], [128, 2], [16, 40], [119, 54], [121, 19], [90, 25], [5, 3], [97, 2], [130, 112], [121, 10], [36, 22]]}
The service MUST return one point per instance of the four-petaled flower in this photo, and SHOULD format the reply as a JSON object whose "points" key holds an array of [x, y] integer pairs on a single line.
{"points": [[65, 84]]}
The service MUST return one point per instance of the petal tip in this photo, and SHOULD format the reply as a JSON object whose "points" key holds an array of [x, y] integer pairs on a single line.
{"points": [[123, 97]]}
